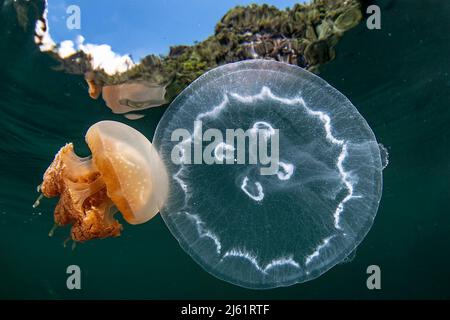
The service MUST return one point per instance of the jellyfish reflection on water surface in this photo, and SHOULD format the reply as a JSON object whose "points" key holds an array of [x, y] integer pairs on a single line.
{"points": [[268, 230]]}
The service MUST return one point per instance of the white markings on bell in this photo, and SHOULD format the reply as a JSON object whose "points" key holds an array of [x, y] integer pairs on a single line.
{"points": [[222, 152], [286, 172], [283, 261], [260, 192], [202, 231], [316, 252]]}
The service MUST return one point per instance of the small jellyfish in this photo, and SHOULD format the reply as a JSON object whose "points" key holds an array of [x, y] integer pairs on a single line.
{"points": [[133, 96], [123, 174], [274, 176], [95, 89]]}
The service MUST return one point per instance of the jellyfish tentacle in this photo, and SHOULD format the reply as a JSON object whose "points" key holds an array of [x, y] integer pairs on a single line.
{"points": [[52, 230], [98, 222], [38, 201], [83, 201], [80, 191], [66, 241]]}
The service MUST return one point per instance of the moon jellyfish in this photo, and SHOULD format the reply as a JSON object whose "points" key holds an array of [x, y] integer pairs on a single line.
{"points": [[124, 173], [274, 176]]}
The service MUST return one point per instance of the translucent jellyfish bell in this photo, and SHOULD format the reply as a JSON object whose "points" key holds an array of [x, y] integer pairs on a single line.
{"points": [[124, 173], [270, 223]]}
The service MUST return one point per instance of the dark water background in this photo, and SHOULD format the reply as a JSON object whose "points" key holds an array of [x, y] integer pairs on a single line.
{"points": [[398, 78]]}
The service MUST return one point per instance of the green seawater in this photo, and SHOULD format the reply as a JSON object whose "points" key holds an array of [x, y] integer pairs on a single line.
{"points": [[398, 78]]}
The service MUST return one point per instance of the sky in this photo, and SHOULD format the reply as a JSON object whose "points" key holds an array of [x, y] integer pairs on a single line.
{"points": [[140, 27]]}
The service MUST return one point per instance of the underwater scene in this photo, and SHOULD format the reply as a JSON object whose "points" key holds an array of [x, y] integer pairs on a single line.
{"points": [[266, 149]]}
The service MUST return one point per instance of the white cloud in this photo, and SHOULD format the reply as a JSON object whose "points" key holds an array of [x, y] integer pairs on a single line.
{"points": [[101, 56], [66, 49], [42, 37]]}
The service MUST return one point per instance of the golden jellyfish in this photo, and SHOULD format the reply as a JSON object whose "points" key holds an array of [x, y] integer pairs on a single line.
{"points": [[95, 89], [133, 96], [123, 174]]}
